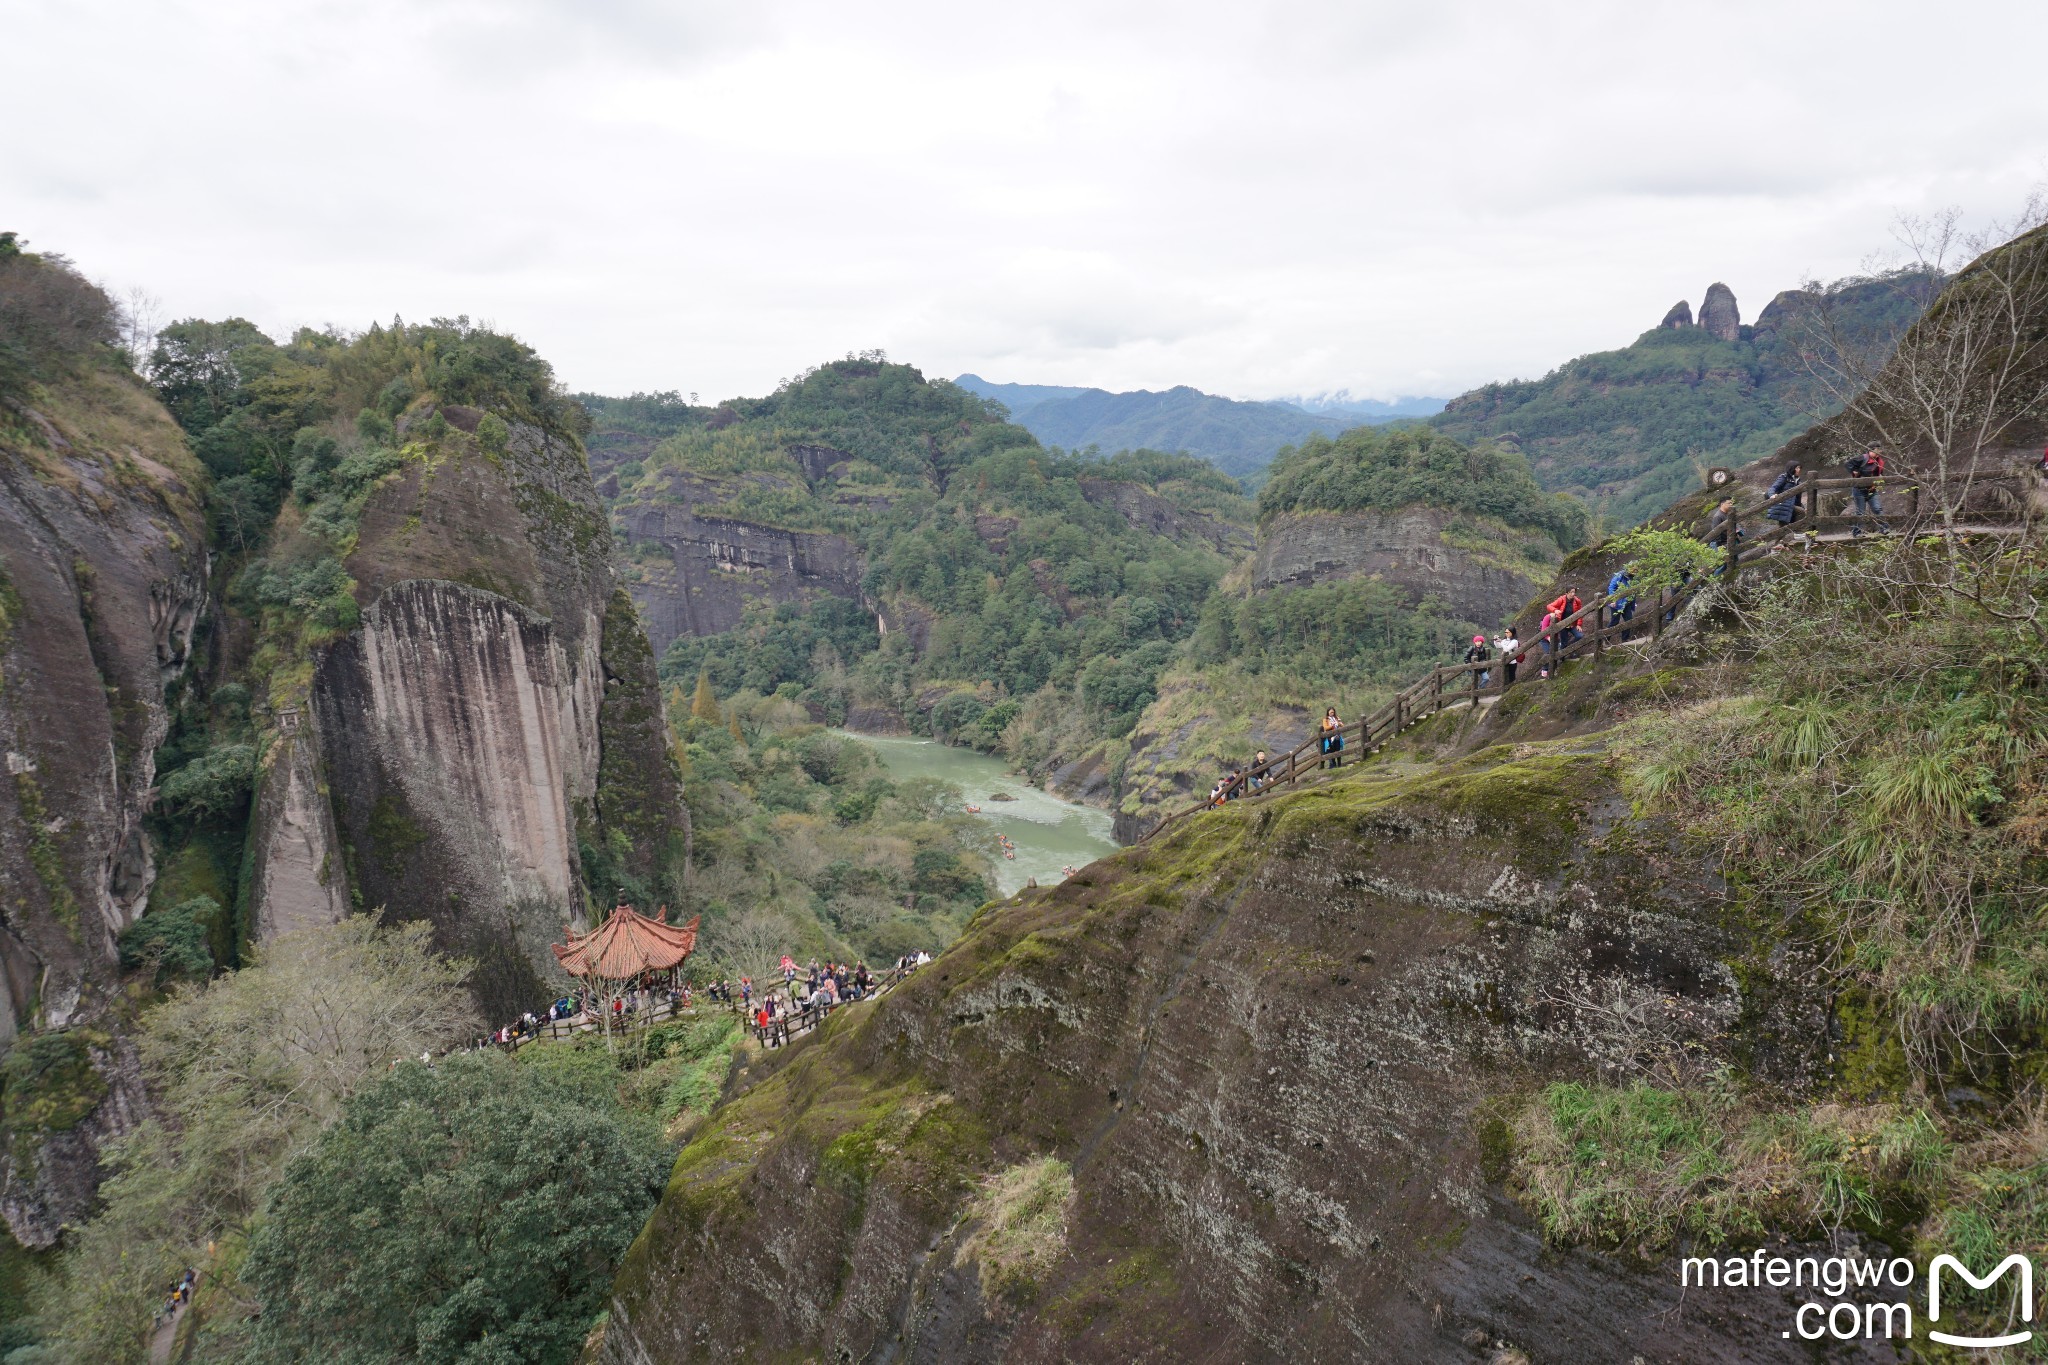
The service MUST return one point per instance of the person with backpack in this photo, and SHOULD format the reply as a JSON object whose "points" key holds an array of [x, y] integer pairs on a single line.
{"points": [[1333, 739], [1477, 654], [1787, 511], [1868, 465], [1620, 606]]}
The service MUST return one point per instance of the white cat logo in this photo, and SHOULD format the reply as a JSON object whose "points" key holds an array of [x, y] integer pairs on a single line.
{"points": [[2026, 1268]]}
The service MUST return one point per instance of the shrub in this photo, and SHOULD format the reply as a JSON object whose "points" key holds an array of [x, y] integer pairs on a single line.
{"points": [[1636, 1164], [52, 318], [474, 1210], [1022, 1214], [217, 783], [172, 942]]}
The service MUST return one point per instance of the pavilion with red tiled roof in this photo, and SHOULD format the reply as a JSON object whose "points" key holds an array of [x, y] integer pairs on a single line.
{"points": [[627, 946]]}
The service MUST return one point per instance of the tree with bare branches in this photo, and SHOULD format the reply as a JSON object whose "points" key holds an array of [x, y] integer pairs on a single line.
{"points": [[1966, 387]]}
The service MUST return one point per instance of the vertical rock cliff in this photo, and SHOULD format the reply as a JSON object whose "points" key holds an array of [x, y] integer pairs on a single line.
{"points": [[493, 717], [102, 578]]}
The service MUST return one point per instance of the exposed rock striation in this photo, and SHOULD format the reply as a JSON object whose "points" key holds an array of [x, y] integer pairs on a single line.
{"points": [[102, 580], [494, 712], [714, 566], [297, 877], [1271, 1049]]}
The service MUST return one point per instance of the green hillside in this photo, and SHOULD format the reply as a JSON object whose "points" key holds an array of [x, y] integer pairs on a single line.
{"points": [[1631, 429], [999, 569]]}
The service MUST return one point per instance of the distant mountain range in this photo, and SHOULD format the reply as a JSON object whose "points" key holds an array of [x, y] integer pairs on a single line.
{"points": [[1629, 430], [1236, 436], [1341, 403]]}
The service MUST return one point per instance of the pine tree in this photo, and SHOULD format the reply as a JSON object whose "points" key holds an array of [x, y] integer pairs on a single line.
{"points": [[704, 705]]}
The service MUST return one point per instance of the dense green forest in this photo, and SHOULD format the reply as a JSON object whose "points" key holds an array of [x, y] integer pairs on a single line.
{"points": [[1632, 429], [1010, 570], [1403, 466], [804, 843]]}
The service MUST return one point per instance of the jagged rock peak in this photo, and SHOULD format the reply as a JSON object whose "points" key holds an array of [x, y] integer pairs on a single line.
{"points": [[1718, 313], [1679, 316]]}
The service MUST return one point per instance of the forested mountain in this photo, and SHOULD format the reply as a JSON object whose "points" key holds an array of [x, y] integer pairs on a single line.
{"points": [[888, 552], [889, 549], [1629, 430], [1240, 438], [1379, 552], [1723, 943]]}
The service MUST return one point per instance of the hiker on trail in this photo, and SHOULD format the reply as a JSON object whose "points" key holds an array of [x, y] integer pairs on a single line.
{"points": [[1786, 512], [1333, 739], [1868, 465], [1258, 773], [1717, 527], [1477, 654], [1233, 786], [1573, 605], [1547, 638], [1620, 605], [1511, 654]]}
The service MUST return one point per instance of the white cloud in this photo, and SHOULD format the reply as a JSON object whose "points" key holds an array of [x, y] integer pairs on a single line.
{"points": [[1382, 197]]}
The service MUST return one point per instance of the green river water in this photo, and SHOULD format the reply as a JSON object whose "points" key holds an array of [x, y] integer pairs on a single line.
{"points": [[1049, 834]]}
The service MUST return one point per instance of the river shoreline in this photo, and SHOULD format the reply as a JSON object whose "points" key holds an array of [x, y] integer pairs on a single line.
{"points": [[1047, 833]]}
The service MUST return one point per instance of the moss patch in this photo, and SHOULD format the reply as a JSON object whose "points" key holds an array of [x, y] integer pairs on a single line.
{"points": [[43, 853]]}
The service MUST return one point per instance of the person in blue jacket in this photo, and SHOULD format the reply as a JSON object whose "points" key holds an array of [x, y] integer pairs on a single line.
{"points": [[1621, 605]]}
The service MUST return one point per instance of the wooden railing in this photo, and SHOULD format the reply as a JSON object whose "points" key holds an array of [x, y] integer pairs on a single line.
{"points": [[1449, 685], [799, 1019]]}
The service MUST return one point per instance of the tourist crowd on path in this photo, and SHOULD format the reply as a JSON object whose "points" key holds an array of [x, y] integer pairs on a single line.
{"points": [[179, 1295], [1559, 627], [821, 986]]}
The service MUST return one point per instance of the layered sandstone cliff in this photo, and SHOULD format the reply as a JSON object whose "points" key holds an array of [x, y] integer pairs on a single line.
{"points": [[1472, 569], [1271, 1048], [494, 712], [696, 569]]}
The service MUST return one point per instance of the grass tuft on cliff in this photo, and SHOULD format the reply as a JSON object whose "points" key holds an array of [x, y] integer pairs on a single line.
{"points": [[1021, 1216]]}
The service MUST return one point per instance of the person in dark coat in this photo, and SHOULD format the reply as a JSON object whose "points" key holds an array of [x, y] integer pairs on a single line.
{"points": [[1786, 512]]}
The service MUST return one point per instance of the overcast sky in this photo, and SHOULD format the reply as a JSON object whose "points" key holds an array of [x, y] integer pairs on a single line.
{"points": [[1257, 200]]}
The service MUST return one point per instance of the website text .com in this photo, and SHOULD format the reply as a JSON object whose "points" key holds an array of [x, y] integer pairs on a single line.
{"points": [[1847, 1306]]}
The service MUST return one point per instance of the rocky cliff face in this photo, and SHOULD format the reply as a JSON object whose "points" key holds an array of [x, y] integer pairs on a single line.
{"points": [[1272, 1048], [493, 712], [712, 567], [1470, 569], [705, 568], [1719, 317], [1408, 548], [102, 579]]}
